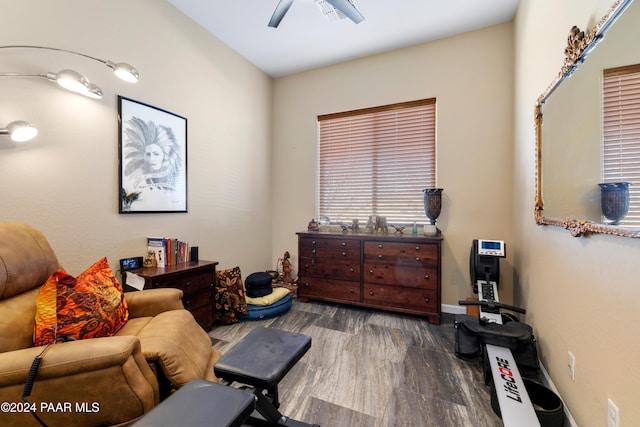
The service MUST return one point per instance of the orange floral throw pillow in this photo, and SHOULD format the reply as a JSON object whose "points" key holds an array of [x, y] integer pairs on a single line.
{"points": [[74, 308]]}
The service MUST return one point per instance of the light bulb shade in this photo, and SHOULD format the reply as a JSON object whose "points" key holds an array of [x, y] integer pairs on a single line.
{"points": [[124, 71], [21, 131], [73, 81], [94, 92]]}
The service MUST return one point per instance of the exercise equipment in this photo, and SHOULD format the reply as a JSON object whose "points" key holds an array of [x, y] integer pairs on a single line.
{"points": [[484, 265], [248, 390], [260, 360]]}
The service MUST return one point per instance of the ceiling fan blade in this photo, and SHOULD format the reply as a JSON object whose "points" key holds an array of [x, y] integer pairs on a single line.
{"points": [[281, 10], [348, 9]]}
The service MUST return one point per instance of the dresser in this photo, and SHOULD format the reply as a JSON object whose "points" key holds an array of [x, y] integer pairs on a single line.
{"points": [[195, 279], [395, 272]]}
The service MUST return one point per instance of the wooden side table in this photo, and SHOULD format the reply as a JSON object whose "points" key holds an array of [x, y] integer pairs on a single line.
{"points": [[197, 281]]}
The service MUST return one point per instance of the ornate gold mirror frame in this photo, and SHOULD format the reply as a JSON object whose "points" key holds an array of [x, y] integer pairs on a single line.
{"points": [[579, 45]]}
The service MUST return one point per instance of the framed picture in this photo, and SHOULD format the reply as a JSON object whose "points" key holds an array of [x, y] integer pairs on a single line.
{"points": [[152, 147]]}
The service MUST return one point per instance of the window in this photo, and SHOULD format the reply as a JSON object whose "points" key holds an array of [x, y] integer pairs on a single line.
{"points": [[376, 161], [621, 134]]}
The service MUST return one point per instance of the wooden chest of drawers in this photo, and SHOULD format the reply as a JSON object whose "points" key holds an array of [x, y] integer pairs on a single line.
{"points": [[391, 272], [195, 279]]}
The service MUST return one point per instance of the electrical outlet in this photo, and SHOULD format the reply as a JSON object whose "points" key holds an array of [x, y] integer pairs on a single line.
{"points": [[571, 363], [612, 414]]}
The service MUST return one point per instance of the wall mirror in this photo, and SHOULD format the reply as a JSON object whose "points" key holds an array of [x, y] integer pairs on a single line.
{"points": [[569, 128]]}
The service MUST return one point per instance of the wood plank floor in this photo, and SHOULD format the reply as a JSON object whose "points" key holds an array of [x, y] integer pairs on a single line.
{"points": [[373, 368]]}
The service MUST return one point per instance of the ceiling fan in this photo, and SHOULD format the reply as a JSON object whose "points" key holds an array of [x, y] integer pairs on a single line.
{"points": [[345, 7]]}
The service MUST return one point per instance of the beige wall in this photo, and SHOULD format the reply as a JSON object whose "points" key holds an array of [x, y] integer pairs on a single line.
{"points": [[582, 294], [65, 181], [471, 75], [247, 200]]}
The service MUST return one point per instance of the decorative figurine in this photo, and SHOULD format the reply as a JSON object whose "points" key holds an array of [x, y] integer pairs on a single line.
{"points": [[286, 268], [398, 228], [370, 225], [313, 226], [150, 259]]}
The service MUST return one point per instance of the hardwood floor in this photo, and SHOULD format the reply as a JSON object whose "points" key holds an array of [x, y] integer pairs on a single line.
{"points": [[373, 368]]}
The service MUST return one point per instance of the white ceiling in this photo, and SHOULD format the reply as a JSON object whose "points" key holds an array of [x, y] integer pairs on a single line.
{"points": [[306, 40]]}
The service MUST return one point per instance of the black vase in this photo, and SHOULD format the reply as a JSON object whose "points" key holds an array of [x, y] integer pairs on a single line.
{"points": [[432, 203], [614, 198]]}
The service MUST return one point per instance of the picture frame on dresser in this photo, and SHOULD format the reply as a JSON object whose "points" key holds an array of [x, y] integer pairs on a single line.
{"points": [[152, 147]]}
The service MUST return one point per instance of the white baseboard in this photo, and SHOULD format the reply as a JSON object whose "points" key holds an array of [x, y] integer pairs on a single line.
{"points": [[453, 309], [549, 384]]}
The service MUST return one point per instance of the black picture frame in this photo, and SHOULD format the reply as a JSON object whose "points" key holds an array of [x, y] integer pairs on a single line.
{"points": [[152, 149]]}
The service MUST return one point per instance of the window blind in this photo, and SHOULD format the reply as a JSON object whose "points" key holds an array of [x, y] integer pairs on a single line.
{"points": [[376, 161], [621, 134]]}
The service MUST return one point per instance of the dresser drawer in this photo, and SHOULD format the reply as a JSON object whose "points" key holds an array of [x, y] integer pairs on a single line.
{"points": [[401, 274], [421, 300], [202, 316], [338, 269], [411, 254], [330, 248], [194, 298], [309, 287], [198, 280]]}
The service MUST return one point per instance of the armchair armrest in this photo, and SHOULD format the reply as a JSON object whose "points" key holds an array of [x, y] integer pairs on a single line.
{"points": [[69, 358], [151, 302], [103, 380]]}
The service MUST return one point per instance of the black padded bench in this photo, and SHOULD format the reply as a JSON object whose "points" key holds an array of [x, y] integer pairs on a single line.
{"points": [[201, 403], [260, 360]]}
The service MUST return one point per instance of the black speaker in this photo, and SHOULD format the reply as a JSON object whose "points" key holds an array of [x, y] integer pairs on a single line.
{"points": [[194, 253]]}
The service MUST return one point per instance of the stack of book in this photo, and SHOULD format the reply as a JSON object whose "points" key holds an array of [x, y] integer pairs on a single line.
{"points": [[168, 251]]}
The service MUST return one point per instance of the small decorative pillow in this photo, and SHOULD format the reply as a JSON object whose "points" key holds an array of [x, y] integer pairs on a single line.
{"points": [[73, 308], [230, 297]]}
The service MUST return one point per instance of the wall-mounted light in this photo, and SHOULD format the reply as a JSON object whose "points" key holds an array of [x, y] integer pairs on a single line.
{"points": [[19, 131], [122, 70], [73, 80], [68, 79]]}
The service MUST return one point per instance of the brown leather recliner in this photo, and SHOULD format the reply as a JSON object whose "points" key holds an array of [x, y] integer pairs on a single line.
{"points": [[99, 381]]}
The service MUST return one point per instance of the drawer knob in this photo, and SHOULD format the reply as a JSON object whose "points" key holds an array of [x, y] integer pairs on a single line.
{"points": [[417, 259], [313, 251], [380, 246], [352, 291], [188, 284], [344, 253], [370, 271], [426, 277], [379, 256], [351, 270], [371, 293], [417, 248], [305, 284], [187, 303], [344, 244], [426, 300], [313, 242]]}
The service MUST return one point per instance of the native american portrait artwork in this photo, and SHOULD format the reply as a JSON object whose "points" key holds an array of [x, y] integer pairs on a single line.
{"points": [[153, 164]]}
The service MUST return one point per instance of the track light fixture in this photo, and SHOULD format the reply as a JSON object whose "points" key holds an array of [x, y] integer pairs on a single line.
{"points": [[73, 80], [122, 70], [68, 79], [19, 131]]}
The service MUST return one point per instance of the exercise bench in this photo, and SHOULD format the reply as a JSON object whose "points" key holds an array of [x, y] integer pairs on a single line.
{"points": [[260, 360]]}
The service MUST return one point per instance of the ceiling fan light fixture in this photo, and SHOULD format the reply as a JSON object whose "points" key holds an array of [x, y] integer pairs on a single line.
{"points": [[329, 12]]}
